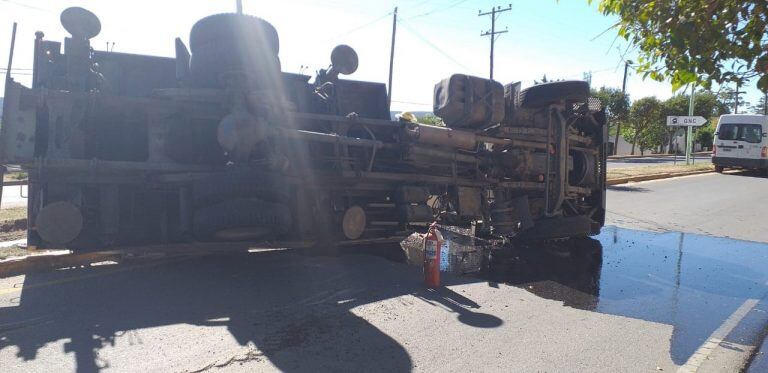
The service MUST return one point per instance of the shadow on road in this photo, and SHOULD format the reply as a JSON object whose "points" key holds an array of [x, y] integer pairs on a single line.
{"points": [[293, 309], [299, 312], [461, 305]]}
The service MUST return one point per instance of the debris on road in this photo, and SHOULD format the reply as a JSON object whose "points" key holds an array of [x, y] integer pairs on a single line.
{"points": [[460, 253]]}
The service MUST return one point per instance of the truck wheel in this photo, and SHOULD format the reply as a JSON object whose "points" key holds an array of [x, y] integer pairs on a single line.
{"points": [[225, 27], [719, 169], [550, 93]]}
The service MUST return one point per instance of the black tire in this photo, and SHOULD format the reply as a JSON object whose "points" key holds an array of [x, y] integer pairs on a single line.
{"points": [[224, 43], [719, 169], [224, 27], [209, 62], [550, 93]]}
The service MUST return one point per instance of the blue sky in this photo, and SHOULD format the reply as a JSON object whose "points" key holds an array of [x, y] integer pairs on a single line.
{"points": [[435, 38]]}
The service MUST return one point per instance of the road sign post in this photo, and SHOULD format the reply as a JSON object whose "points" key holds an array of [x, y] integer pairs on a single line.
{"points": [[690, 122], [689, 144]]}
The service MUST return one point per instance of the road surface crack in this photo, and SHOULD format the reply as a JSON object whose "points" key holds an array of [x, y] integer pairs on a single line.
{"points": [[252, 354]]}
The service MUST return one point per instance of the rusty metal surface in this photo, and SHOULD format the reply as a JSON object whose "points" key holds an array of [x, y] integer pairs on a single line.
{"points": [[160, 151]]}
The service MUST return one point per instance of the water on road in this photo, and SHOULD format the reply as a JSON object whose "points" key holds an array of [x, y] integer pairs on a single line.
{"points": [[692, 282]]}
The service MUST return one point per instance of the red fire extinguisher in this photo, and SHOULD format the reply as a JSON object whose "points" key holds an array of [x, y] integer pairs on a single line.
{"points": [[432, 243]]}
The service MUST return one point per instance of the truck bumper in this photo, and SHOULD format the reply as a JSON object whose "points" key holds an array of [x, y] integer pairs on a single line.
{"points": [[740, 162]]}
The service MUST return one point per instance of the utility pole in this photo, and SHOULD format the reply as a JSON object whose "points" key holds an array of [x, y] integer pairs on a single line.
{"points": [[736, 99], [239, 6], [392, 57], [623, 94], [689, 134], [10, 54], [493, 32]]}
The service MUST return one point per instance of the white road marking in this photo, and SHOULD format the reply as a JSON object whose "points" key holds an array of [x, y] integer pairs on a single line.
{"points": [[714, 340]]}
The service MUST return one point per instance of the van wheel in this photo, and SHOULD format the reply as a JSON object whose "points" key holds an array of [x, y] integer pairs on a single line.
{"points": [[719, 169]]}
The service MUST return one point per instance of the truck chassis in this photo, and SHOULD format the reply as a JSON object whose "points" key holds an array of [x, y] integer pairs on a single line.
{"points": [[220, 145]]}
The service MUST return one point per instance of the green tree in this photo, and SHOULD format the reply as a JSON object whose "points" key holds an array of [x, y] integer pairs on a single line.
{"points": [[760, 107], [701, 41], [705, 134], [645, 127], [616, 106], [431, 120], [708, 105], [727, 96]]}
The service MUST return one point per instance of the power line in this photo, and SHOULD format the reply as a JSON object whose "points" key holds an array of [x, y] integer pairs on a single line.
{"points": [[28, 6], [358, 28], [420, 3], [591, 72], [392, 57], [438, 10], [433, 46]]}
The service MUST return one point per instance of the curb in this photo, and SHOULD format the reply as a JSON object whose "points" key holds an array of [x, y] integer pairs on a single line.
{"points": [[15, 182], [610, 157], [634, 179]]}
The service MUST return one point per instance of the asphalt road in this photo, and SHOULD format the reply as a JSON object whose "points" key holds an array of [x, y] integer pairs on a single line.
{"points": [[630, 300], [652, 161], [723, 205]]}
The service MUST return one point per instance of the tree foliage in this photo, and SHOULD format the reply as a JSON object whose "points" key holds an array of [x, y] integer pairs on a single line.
{"points": [[544, 79], [759, 108], [700, 41], [727, 96], [706, 104], [705, 134], [431, 120], [616, 104], [646, 127]]}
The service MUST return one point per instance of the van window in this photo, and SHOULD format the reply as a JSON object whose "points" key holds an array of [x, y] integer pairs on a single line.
{"points": [[728, 131], [752, 133]]}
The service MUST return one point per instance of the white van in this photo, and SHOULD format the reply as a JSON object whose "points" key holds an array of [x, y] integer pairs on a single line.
{"points": [[741, 141]]}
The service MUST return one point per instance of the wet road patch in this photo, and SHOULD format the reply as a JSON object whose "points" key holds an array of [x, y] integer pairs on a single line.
{"points": [[694, 283]]}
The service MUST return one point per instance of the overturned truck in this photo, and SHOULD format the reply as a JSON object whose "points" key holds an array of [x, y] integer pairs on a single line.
{"points": [[220, 145]]}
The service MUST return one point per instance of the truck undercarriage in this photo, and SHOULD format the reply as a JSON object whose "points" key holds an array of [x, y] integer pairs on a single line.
{"points": [[220, 145]]}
